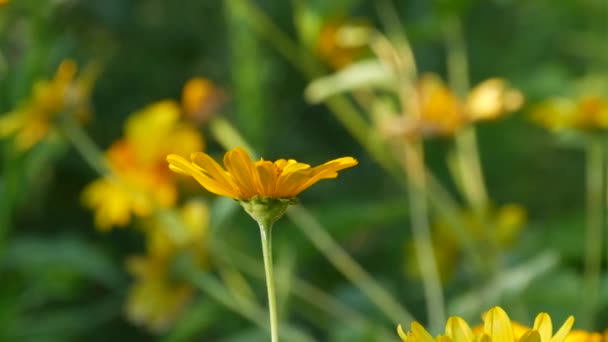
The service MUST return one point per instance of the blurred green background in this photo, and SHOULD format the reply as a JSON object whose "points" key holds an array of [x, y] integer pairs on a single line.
{"points": [[63, 280]]}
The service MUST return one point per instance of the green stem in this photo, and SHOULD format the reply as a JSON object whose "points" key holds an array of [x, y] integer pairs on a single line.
{"points": [[433, 292], [349, 267], [86, 147], [593, 235], [266, 234]]}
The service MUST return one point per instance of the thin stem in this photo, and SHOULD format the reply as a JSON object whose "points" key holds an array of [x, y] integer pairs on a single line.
{"points": [[593, 234], [87, 149], [414, 165], [340, 259], [266, 234], [466, 139]]}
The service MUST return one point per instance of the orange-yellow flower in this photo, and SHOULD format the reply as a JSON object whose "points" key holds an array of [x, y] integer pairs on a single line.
{"points": [[200, 99], [140, 181], [442, 113], [244, 179], [331, 50], [33, 121], [588, 113], [497, 327]]}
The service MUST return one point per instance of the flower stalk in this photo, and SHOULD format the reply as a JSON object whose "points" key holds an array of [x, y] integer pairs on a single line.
{"points": [[433, 292], [593, 234], [266, 235]]}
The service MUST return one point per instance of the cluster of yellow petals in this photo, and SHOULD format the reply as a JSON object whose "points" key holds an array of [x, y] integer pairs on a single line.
{"points": [[497, 327], [442, 113], [33, 120], [244, 179], [586, 336], [331, 49], [155, 300], [506, 222], [139, 180], [201, 99], [588, 113]]}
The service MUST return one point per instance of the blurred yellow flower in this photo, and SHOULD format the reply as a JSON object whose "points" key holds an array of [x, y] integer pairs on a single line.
{"points": [[156, 299], [330, 47], [585, 336], [588, 113], [32, 121], [442, 113], [245, 179], [491, 99], [201, 99], [505, 222], [140, 181], [497, 327]]}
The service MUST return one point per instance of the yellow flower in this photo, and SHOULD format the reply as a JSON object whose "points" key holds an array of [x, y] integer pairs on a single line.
{"points": [[491, 99], [497, 327], [244, 179], [140, 181], [200, 99], [585, 336], [33, 120], [588, 113], [442, 113], [331, 50], [156, 299]]}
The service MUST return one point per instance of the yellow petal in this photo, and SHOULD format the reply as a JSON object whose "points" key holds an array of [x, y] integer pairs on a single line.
{"points": [[443, 338], [293, 176], [244, 174], [458, 329], [543, 325], [498, 325], [268, 174], [212, 169], [420, 333], [327, 170], [484, 338], [220, 187], [531, 336], [401, 333], [562, 333]]}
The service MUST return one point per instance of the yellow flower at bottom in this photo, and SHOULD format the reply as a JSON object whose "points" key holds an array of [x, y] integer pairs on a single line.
{"points": [[244, 179], [585, 336], [497, 327]]}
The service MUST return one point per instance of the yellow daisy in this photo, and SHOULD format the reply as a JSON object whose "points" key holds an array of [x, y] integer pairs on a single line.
{"points": [[497, 327], [244, 179]]}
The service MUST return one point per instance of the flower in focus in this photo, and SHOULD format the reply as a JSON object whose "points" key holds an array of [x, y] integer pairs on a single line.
{"points": [[244, 179], [442, 113], [139, 180], [588, 113], [334, 50], [497, 327], [156, 298], [33, 120], [586, 336], [201, 99], [506, 222], [264, 188]]}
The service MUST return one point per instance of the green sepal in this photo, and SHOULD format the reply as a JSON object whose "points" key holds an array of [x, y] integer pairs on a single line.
{"points": [[266, 210]]}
